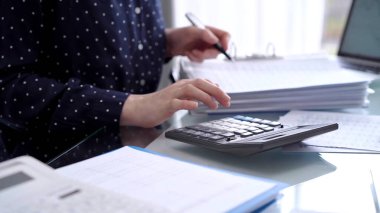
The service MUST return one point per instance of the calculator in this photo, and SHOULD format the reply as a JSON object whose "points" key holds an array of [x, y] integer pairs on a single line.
{"points": [[244, 135]]}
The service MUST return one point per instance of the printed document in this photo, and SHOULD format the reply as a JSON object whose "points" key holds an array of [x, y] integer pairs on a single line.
{"points": [[286, 84], [356, 133], [172, 184]]}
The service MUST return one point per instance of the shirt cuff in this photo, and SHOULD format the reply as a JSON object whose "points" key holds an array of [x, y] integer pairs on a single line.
{"points": [[106, 106]]}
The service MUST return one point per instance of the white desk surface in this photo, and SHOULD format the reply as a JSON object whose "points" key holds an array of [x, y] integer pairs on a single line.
{"points": [[319, 182]]}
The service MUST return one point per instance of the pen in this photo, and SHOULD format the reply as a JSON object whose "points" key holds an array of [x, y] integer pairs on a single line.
{"points": [[196, 22]]}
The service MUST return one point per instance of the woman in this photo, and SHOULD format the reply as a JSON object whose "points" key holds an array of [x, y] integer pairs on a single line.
{"points": [[71, 67]]}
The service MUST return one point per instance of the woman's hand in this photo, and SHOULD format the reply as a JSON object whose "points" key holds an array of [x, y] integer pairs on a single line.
{"points": [[153, 109], [195, 43]]}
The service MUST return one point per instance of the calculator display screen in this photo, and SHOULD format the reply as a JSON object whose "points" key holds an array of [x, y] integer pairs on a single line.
{"points": [[14, 179]]}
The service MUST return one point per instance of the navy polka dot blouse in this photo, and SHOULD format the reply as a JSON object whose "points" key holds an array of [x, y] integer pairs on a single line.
{"points": [[67, 66]]}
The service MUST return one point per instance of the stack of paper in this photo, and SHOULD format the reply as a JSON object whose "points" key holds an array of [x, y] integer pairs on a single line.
{"points": [[283, 84]]}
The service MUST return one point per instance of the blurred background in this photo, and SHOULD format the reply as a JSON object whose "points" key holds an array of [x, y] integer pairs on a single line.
{"points": [[291, 26]]}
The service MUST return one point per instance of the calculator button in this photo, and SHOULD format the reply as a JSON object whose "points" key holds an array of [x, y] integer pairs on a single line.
{"points": [[262, 126], [274, 123], [265, 121], [234, 125], [228, 134], [239, 117], [217, 122], [207, 135], [257, 120], [207, 126], [245, 123], [227, 119], [240, 131], [197, 127], [252, 128], [234, 121], [259, 131], [254, 124], [179, 130], [232, 129], [198, 133], [217, 132], [216, 137], [241, 123], [246, 134], [192, 132], [243, 127], [267, 129], [186, 131], [217, 127], [248, 119]]}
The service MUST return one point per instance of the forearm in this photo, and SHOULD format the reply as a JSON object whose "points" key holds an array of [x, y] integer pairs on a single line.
{"points": [[63, 107]]}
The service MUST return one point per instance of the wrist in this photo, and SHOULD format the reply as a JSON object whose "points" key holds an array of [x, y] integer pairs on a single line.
{"points": [[169, 42], [129, 110]]}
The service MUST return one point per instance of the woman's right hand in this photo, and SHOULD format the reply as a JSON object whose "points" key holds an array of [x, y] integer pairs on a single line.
{"points": [[152, 109]]}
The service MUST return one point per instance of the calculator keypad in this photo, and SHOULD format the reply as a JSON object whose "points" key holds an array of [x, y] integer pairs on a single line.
{"points": [[229, 129], [243, 135]]}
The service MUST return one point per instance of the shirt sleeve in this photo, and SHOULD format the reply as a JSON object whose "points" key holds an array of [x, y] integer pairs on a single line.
{"points": [[31, 100]]}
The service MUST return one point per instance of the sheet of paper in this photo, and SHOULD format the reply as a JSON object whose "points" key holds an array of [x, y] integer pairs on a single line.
{"points": [[360, 132], [278, 106], [248, 76], [375, 187], [179, 186], [301, 147]]}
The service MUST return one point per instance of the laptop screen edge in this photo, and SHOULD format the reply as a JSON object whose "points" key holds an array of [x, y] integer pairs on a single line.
{"points": [[360, 58]]}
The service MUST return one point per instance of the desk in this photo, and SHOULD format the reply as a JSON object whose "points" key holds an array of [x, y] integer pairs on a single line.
{"points": [[323, 182]]}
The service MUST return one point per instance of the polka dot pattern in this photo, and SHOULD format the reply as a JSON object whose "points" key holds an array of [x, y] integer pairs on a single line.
{"points": [[66, 67]]}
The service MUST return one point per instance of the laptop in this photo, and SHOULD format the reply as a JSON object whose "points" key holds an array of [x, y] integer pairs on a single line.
{"points": [[359, 48], [360, 44]]}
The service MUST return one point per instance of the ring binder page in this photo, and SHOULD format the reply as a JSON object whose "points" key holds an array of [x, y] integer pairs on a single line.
{"points": [[277, 85], [172, 184], [358, 133], [269, 54]]}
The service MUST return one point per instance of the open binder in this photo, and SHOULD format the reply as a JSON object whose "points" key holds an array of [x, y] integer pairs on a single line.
{"points": [[172, 184], [284, 84]]}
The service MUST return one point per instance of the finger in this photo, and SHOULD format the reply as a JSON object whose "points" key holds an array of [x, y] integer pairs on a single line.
{"points": [[205, 54], [189, 81], [179, 104], [193, 57], [212, 82], [213, 91], [209, 37], [190, 91], [223, 36]]}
